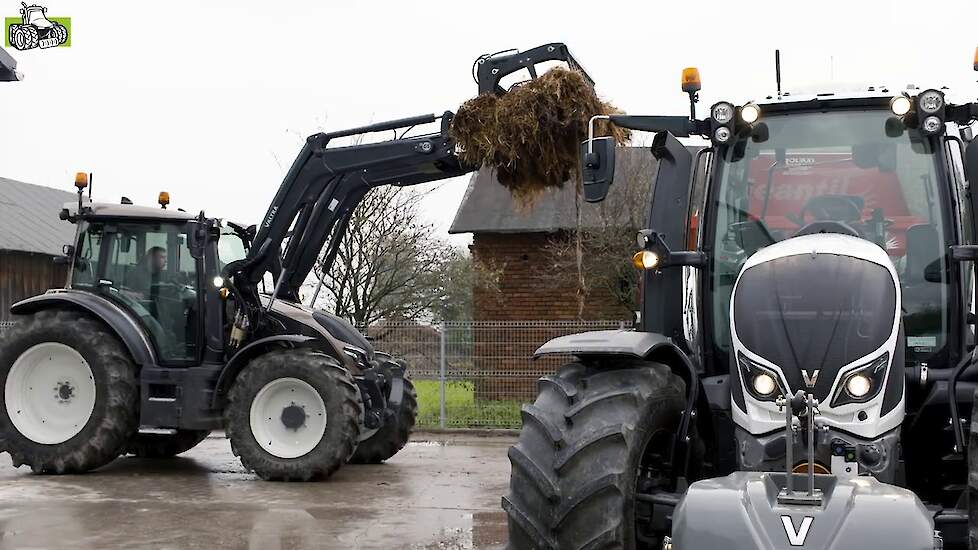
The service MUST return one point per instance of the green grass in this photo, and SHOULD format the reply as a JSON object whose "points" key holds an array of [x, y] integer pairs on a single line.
{"points": [[462, 410]]}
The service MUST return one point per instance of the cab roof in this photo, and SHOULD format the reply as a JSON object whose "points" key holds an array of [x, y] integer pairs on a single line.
{"points": [[110, 210]]}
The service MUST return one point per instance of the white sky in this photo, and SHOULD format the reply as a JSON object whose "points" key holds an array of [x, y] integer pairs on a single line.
{"points": [[210, 101]]}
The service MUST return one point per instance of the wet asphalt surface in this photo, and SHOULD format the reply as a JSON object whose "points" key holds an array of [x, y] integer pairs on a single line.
{"points": [[440, 492]]}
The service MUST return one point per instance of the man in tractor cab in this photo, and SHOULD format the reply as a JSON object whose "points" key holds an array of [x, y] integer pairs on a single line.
{"points": [[144, 278]]}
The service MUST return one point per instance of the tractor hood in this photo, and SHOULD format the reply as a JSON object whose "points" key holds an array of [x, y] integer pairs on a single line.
{"points": [[812, 305], [741, 512]]}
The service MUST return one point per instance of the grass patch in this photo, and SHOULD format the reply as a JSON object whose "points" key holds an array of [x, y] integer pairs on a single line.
{"points": [[462, 410]]}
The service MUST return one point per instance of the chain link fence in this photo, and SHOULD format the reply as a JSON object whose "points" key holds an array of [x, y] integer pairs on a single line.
{"points": [[473, 374], [476, 374]]}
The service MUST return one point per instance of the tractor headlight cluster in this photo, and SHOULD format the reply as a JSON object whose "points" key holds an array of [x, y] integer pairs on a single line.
{"points": [[761, 382], [862, 383], [722, 122], [926, 111]]}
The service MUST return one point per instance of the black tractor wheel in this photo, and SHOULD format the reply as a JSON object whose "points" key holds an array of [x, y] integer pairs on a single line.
{"points": [[394, 434], [165, 445], [71, 396], [973, 476], [588, 441], [293, 414]]}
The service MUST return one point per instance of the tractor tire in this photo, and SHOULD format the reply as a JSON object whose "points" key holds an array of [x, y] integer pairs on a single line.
{"points": [[71, 395], [60, 32], [394, 434], [294, 415], [18, 38], [30, 37], [973, 476], [576, 465], [165, 445]]}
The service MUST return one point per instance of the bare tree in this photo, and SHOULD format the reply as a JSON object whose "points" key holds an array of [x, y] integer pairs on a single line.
{"points": [[390, 264], [597, 254]]}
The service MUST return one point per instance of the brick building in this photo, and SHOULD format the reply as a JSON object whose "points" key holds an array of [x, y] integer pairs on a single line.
{"points": [[514, 241]]}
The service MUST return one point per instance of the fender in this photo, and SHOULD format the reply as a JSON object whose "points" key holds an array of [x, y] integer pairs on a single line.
{"points": [[247, 353], [122, 323], [652, 346]]}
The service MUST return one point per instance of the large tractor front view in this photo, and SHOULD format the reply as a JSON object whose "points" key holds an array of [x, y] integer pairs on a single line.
{"points": [[802, 372]]}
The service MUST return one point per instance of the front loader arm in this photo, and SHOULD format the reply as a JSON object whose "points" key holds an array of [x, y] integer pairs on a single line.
{"points": [[325, 184]]}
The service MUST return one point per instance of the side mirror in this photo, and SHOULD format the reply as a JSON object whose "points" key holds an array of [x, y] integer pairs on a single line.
{"points": [[597, 167]]}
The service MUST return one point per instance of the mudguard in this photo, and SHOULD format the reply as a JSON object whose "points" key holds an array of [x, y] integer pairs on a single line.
{"points": [[247, 353], [606, 342], [119, 320], [741, 512]]}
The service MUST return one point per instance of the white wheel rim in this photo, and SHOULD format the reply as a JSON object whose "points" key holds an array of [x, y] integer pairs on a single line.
{"points": [[50, 393], [288, 418]]}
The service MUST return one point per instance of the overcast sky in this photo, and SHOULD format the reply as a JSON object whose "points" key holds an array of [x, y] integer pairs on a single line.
{"points": [[211, 101]]}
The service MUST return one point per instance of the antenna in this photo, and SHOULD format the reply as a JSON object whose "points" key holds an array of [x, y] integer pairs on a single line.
{"points": [[777, 70]]}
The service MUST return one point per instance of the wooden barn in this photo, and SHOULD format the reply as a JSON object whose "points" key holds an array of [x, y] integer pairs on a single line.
{"points": [[31, 237]]}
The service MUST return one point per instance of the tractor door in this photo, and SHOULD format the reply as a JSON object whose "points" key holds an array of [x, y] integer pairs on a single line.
{"points": [[148, 269]]}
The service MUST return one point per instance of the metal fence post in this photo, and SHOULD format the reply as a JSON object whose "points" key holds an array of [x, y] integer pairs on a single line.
{"points": [[441, 377]]}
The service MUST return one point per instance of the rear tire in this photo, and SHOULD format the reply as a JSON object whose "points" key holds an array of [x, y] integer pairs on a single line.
{"points": [[37, 352], [165, 445], [576, 464], [325, 416]]}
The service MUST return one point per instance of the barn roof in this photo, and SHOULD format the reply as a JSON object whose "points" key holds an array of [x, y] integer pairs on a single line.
{"points": [[488, 207], [29, 218]]}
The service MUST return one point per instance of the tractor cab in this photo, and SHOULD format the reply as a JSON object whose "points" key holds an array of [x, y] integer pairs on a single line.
{"points": [[35, 15], [848, 166], [146, 261]]}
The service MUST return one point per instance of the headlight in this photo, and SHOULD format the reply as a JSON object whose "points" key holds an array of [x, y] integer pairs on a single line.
{"points": [[750, 113], [722, 112], [722, 134], [932, 125], [858, 385], [764, 384], [930, 101], [761, 382], [862, 383], [900, 105]]}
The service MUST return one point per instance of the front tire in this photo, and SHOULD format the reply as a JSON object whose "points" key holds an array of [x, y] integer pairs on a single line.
{"points": [[294, 414], [973, 476], [394, 434], [165, 445], [70, 396], [584, 441]]}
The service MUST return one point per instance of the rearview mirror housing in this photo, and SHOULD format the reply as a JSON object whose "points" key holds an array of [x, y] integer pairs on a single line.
{"points": [[597, 167]]}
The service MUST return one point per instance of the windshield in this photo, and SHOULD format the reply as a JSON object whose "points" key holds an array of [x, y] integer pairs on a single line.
{"points": [[855, 172]]}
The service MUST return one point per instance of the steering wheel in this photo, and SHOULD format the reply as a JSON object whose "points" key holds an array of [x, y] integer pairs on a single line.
{"points": [[841, 208], [827, 226]]}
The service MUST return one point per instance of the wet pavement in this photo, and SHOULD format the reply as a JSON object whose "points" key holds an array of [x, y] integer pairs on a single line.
{"points": [[440, 492]]}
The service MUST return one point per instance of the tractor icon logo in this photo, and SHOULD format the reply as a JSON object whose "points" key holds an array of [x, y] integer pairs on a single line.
{"points": [[34, 29]]}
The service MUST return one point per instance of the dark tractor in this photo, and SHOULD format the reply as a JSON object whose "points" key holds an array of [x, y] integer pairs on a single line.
{"points": [[802, 373], [166, 329]]}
